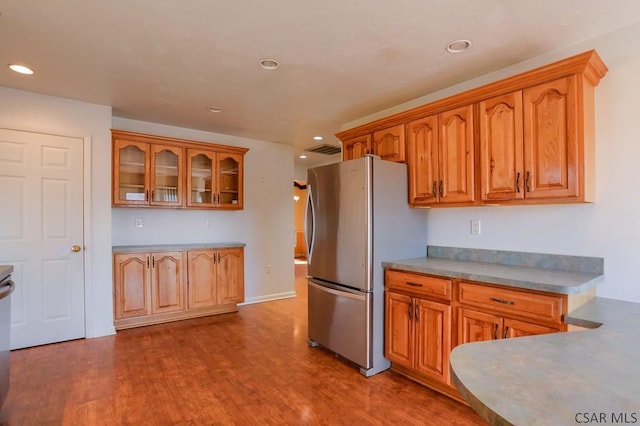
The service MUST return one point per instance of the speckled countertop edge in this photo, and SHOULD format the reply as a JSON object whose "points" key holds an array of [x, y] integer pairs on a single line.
{"points": [[563, 282], [551, 378], [5, 271], [169, 247]]}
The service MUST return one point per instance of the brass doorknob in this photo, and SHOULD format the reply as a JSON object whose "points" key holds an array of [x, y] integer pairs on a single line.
{"points": [[75, 248]]}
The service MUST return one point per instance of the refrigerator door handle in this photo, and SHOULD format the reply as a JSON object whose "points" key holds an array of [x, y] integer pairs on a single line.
{"points": [[309, 224]]}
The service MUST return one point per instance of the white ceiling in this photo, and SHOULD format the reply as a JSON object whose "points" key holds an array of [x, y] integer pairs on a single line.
{"points": [[167, 61]]}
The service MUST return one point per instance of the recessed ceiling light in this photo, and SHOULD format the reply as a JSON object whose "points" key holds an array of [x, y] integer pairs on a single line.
{"points": [[458, 46], [317, 138], [214, 109], [21, 69], [269, 64], [302, 156]]}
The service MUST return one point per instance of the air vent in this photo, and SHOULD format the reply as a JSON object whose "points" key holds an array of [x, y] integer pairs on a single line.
{"points": [[324, 149]]}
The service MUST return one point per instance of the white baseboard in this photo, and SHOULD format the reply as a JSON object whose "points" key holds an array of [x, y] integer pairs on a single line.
{"points": [[101, 332], [268, 298]]}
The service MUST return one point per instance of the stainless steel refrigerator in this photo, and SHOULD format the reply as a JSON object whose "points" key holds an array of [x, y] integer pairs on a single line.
{"points": [[357, 217]]}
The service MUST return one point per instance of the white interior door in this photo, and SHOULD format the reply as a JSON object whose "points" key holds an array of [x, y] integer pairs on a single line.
{"points": [[41, 182]]}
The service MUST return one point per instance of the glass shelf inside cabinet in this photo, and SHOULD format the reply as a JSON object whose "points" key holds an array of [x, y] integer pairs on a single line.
{"points": [[201, 166], [166, 177], [131, 174]]}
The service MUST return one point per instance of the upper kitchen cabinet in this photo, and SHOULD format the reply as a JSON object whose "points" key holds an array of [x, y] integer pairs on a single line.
{"points": [[388, 144], [154, 171], [356, 147], [526, 139], [531, 147], [214, 179], [441, 158]]}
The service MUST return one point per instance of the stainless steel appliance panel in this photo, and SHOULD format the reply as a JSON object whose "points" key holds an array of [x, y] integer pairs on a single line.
{"points": [[339, 319], [339, 223]]}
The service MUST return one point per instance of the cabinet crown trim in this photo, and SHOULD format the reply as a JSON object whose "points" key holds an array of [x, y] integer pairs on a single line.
{"points": [[142, 137]]}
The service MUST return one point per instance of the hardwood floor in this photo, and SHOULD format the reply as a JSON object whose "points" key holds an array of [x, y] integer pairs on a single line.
{"points": [[246, 368]]}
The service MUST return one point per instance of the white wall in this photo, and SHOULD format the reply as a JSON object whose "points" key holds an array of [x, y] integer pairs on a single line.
{"points": [[609, 228], [265, 225], [20, 110]]}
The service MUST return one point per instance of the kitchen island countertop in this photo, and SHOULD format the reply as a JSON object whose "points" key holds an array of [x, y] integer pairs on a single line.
{"points": [[562, 378]]}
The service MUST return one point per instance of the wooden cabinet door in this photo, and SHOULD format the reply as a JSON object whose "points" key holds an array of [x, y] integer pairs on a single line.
{"points": [[456, 155], [399, 329], [130, 173], [230, 276], [132, 290], [356, 147], [432, 323], [388, 144], [422, 160], [501, 148], [201, 288], [515, 328], [167, 282], [474, 326], [167, 176], [551, 139], [229, 181]]}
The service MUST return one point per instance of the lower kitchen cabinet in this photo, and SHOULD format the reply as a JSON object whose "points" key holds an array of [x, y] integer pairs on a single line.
{"points": [[156, 287], [475, 326], [418, 328], [216, 277], [427, 315]]}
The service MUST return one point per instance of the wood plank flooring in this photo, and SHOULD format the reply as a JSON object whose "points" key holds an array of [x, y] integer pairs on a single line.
{"points": [[253, 367]]}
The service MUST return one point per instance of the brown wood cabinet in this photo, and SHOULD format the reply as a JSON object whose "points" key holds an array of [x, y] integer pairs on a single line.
{"points": [[149, 171], [533, 141], [148, 283], [388, 144], [441, 158], [356, 147], [427, 315], [216, 277], [418, 327], [155, 287]]}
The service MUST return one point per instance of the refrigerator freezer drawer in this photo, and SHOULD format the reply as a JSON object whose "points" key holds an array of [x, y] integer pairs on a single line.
{"points": [[340, 319]]}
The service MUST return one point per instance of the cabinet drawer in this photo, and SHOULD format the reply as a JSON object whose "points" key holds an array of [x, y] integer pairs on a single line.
{"points": [[532, 305], [420, 284]]}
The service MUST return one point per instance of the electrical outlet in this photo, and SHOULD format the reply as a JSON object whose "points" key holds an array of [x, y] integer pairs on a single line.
{"points": [[268, 269], [139, 223], [208, 223], [475, 227]]}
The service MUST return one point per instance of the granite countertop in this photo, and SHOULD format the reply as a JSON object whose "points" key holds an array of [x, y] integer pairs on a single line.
{"points": [[5, 271], [173, 247], [562, 378], [534, 271]]}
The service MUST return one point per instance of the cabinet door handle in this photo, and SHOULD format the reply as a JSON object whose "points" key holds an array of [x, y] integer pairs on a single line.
{"points": [[504, 302], [441, 189], [410, 313], [527, 184], [506, 332], [153, 261], [417, 313], [495, 332], [413, 284], [148, 262], [153, 194], [434, 189], [518, 182], [146, 195]]}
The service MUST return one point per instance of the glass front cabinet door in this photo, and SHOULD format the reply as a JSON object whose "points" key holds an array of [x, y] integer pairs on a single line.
{"points": [[214, 179], [131, 173], [166, 176]]}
